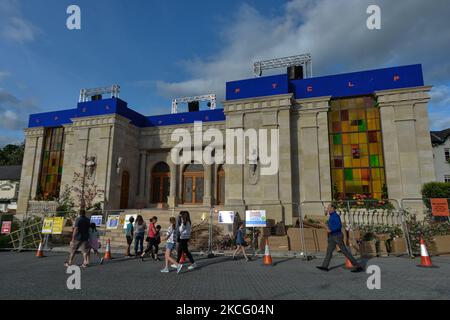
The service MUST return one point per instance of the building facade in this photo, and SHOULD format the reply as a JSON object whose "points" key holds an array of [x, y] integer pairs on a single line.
{"points": [[441, 154], [338, 136], [9, 187]]}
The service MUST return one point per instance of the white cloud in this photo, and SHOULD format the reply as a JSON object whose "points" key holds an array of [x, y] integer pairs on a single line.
{"points": [[14, 111], [335, 32], [13, 25]]}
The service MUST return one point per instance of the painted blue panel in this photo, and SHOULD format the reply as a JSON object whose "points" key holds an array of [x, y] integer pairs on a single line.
{"points": [[257, 87], [186, 117], [52, 119], [358, 83]]}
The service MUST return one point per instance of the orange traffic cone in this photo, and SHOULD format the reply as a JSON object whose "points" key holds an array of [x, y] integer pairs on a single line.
{"points": [[183, 258], [107, 255], [425, 260], [348, 264], [40, 251], [267, 257]]}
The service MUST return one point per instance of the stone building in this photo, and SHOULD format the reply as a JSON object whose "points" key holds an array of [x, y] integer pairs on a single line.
{"points": [[339, 136], [441, 154]]}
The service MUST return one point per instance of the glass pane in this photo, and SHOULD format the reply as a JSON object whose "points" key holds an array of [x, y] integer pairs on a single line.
{"points": [[188, 190], [166, 188], [199, 186]]}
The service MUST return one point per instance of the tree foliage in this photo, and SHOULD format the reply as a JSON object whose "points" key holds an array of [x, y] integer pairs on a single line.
{"points": [[12, 154]]}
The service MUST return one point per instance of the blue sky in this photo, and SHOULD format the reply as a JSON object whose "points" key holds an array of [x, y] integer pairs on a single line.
{"points": [[158, 50]]}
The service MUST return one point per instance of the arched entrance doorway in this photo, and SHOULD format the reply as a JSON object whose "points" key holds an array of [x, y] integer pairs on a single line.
{"points": [[124, 190], [193, 184], [160, 183], [220, 186]]}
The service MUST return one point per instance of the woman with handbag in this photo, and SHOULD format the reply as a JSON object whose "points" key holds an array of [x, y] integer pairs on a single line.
{"points": [[240, 242]]}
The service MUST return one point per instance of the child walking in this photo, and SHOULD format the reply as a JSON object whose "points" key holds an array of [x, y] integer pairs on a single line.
{"points": [[170, 246], [240, 242], [129, 234], [93, 240]]}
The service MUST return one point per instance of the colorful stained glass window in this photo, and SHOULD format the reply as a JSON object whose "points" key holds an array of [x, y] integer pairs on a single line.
{"points": [[356, 147], [52, 163]]}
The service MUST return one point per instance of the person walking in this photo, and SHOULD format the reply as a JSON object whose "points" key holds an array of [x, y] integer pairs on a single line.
{"points": [[129, 234], [170, 246], [185, 234], [139, 231], [240, 242], [335, 237], [94, 243], [80, 239], [151, 240]]}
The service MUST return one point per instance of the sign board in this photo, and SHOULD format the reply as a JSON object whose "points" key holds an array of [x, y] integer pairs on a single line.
{"points": [[113, 221], [47, 226], [6, 227], [439, 207], [255, 218], [127, 219], [58, 224], [98, 219], [226, 217]]}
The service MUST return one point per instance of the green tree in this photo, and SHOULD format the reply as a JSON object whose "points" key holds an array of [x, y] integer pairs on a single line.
{"points": [[12, 154]]}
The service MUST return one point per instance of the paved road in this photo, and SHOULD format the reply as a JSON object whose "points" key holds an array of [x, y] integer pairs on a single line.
{"points": [[27, 277]]}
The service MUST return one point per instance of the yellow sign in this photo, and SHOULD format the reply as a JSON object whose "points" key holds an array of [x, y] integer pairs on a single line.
{"points": [[47, 226], [53, 225], [58, 224]]}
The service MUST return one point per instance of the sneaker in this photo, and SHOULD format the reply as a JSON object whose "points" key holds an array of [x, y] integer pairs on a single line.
{"points": [[323, 269], [165, 270], [192, 266], [174, 266], [358, 269], [180, 266]]}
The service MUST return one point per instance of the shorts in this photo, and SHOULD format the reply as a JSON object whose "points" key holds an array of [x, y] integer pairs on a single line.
{"points": [[170, 245], [82, 245], [129, 240]]}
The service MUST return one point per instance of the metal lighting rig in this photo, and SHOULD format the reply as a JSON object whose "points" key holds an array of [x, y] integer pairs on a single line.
{"points": [[85, 94], [207, 97], [304, 60]]}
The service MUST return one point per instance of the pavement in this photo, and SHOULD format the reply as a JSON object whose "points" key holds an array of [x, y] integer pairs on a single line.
{"points": [[24, 276]]}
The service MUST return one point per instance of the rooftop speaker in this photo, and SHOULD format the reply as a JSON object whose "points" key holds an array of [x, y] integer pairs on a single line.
{"points": [[295, 72], [96, 97], [193, 106]]}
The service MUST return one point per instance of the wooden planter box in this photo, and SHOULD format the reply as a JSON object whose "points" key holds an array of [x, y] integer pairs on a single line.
{"points": [[368, 249], [398, 247], [441, 245]]}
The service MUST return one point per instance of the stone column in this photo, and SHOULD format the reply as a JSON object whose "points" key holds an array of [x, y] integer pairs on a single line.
{"points": [[314, 159], [407, 145], [207, 200], [32, 159], [172, 200], [234, 177]]}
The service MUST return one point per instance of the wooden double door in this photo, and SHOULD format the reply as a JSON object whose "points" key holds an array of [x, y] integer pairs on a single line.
{"points": [[193, 184]]}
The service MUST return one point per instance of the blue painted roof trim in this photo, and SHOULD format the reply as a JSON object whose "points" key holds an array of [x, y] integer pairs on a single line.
{"points": [[118, 106], [341, 85]]}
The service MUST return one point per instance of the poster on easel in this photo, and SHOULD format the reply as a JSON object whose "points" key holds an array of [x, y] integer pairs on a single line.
{"points": [[255, 218], [112, 222], [226, 217]]}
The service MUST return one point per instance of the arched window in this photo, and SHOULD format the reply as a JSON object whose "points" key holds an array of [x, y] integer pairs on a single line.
{"points": [[160, 183]]}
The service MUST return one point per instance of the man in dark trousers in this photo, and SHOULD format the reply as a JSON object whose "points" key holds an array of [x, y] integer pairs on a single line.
{"points": [[335, 237]]}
